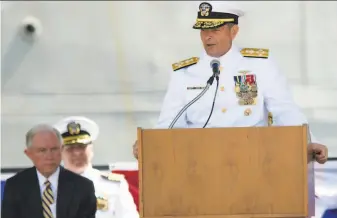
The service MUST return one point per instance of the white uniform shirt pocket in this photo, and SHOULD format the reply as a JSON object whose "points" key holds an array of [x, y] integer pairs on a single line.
{"points": [[199, 111]]}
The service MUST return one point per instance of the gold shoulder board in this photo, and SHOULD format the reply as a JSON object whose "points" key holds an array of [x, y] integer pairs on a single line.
{"points": [[185, 63], [255, 52], [112, 177]]}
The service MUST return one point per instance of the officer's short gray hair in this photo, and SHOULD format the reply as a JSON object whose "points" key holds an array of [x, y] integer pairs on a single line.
{"points": [[230, 25], [41, 128]]}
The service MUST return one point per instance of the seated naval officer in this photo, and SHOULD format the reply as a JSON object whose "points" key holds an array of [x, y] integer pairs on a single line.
{"points": [[250, 84], [112, 190]]}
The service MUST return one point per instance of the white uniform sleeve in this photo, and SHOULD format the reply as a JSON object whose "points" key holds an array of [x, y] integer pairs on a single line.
{"points": [[174, 101], [278, 99], [330, 202], [125, 206]]}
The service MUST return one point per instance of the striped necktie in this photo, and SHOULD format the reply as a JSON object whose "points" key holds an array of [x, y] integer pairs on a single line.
{"points": [[47, 200]]}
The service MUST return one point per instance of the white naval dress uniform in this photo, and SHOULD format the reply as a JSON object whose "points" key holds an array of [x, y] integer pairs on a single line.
{"points": [[330, 202], [113, 197], [273, 95]]}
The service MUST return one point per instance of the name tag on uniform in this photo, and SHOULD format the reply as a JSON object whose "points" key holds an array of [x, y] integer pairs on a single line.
{"points": [[195, 87], [102, 203]]}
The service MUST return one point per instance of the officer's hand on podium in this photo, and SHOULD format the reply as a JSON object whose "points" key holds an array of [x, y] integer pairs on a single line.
{"points": [[135, 149], [320, 152]]}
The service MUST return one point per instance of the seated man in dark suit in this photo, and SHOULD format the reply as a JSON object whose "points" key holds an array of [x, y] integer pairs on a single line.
{"points": [[47, 190]]}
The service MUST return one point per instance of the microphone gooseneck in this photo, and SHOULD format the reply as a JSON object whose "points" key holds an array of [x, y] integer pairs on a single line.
{"points": [[213, 103], [215, 64]]}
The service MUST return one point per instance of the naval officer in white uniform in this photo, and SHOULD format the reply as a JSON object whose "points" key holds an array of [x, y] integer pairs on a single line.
{"points": [[112, 191], [250, 84]]}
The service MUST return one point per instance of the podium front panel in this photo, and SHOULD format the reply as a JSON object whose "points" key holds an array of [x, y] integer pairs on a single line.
{"points": [[224, 171]]}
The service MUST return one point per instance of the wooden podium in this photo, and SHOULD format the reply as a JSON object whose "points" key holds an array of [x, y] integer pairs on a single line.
{"points": [[259, 172]]}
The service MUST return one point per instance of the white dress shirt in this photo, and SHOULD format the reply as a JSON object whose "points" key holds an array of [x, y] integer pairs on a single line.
{"points": [[53, 179]]}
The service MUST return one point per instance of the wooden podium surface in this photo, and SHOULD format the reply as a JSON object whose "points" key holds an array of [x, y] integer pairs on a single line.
{"points": [[225, 173]]}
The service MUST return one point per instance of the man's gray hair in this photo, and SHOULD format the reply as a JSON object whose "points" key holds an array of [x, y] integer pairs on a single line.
{"points": [[230, 25], [41, 128]]}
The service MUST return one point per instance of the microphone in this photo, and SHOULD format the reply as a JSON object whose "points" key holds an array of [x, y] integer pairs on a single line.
{"points": [[216, 71], [215, 64]]}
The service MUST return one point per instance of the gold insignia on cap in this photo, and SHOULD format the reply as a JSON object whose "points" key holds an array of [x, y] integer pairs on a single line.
{"points": [[185, 63], [74, 128], [255, 52], [205, 8], [102, 203], [211, 23], [209, 19]]}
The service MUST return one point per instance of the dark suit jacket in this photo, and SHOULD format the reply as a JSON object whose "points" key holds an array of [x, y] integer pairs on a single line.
{"points": [[332, 213], [22, 196]]}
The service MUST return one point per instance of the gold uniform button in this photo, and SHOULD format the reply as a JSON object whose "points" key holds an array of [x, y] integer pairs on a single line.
{"points": [[223, 110], [222, 88], [248, 112]]}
